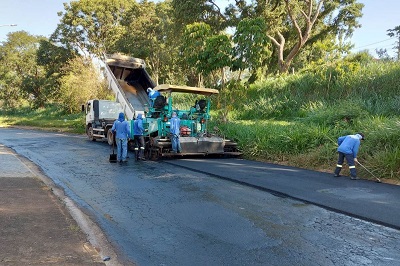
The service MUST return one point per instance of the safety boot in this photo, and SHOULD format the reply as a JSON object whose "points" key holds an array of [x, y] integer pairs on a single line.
{"points": [[337, 171]]}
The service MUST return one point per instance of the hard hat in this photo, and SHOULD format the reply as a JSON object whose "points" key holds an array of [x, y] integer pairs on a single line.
{"points": [[362, 135]]}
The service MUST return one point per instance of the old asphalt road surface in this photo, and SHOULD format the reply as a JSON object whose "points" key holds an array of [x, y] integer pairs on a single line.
{"points": [[36, 227], [375, 202]]}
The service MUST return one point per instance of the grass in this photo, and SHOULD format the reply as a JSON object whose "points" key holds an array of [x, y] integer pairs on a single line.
{"points": [[296, 120], [49, 117], [313, 146]]}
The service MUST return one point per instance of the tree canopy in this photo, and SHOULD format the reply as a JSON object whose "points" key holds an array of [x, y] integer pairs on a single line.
{"points": [[395, 32], [91, 26], [193, 42], [22, 77]]}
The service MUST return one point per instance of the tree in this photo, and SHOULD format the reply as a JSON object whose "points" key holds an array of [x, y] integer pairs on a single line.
{"points": [[24, 77], [395, 32], [291, 24], [10, 93], [53, 59], [80, 83], [91, 26], [199, 11], [251, 45], [217, 54], [382, 54], [149, 35], [193, 47]]}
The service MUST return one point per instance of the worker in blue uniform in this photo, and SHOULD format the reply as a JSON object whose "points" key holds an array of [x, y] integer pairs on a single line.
{"points": [[175, 131], [348, 148], [122, 133], [138, 138], [152, 95]]}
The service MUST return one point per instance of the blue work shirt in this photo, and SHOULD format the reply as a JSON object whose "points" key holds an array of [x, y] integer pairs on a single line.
{"points": [[349, 144], [138, 126], [153, 94], [175, 125], [121, 127]]}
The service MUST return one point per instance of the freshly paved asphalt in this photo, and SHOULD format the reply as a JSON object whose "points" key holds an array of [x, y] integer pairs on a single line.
{"points": [[368, 200]]}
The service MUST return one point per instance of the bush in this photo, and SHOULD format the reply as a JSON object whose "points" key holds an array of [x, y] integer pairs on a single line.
{"points": [[81, 83], [341, 114]]}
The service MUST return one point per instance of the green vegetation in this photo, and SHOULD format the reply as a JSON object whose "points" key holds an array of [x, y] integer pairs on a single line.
{"points": [[297, 119], [50, 117]]}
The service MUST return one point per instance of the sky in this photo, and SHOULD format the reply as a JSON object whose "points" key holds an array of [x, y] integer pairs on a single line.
{"points": [[39, 17]]}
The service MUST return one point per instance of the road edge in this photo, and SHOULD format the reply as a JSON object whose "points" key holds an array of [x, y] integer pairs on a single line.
{"points": [[93, 232]]}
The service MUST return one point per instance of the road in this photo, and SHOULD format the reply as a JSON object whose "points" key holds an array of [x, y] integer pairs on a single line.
{"points": [[155, 213]]}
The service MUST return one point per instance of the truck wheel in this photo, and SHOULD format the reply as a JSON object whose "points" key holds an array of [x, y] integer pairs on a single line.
{"points": [[90, 134], [151, 152], [154, 154], [110, 137]]}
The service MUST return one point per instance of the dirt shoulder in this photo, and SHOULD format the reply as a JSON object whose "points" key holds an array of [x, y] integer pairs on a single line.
{"points": [[36, 226]]}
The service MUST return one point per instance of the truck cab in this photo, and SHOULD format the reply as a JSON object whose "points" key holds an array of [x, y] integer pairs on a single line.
{"points": [[100, 116]]}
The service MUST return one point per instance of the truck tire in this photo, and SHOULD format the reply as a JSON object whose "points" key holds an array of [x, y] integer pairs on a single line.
{"points": [[90, 134], [110, 137]]}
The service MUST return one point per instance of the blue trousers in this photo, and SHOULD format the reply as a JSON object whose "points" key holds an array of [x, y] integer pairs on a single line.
{"points": [[122, 149], [350, 161], [176, 145]]}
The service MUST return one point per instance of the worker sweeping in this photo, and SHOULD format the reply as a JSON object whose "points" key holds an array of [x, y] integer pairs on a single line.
{"points": [[348, 148]]}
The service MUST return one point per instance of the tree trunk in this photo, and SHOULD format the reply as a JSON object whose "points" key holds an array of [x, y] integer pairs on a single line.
{"points": [[303, 33]]}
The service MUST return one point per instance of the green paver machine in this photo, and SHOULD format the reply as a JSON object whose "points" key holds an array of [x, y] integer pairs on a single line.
{"points": [[195, 139]]}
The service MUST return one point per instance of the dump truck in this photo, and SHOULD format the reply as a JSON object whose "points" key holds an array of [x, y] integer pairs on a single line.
{"points": [[129, 80]]}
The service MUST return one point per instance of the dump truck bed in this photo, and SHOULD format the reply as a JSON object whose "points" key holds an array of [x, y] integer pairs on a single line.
{"points": [[129, 81]]}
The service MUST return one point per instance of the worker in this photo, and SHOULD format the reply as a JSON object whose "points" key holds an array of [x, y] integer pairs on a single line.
{"points": [[122, 133], [348, 148], [152, 95], [138, 138], [175, 130]]}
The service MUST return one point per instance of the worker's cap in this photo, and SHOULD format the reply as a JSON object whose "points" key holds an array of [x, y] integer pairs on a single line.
{"points": [[149, 89], [362, 135]]}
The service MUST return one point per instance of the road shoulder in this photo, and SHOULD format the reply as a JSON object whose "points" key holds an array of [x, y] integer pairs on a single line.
{"points": [[38, 227]]}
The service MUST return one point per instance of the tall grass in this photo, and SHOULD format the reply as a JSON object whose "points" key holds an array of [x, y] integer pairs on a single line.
{"points": [[50, 117], [296, 119]]}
